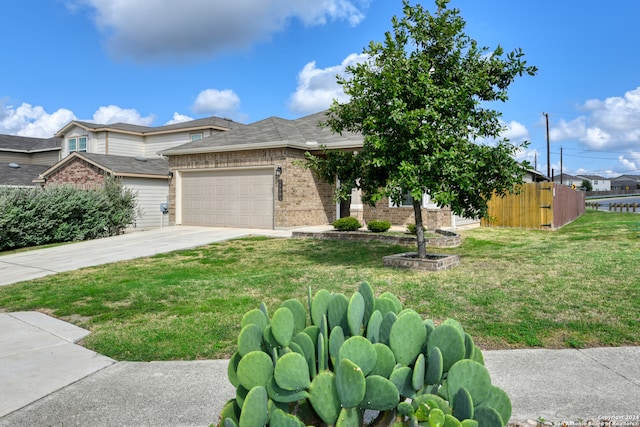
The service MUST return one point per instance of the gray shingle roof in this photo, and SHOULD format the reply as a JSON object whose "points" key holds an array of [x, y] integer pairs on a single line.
{"points": [[206, 122], [23, 176], [593, 177], [28, 144], [120, 165], [303, 133]]}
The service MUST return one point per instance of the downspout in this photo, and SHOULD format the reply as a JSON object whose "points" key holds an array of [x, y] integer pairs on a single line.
{"points": [[106, 142]]}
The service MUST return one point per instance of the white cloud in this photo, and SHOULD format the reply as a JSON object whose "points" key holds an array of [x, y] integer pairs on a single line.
{"points": [[148, 30], [612, 124], [27, 120], [515, 132], [317, 87], [114, 114], [178, 118], [217, 102], [630, 162]]}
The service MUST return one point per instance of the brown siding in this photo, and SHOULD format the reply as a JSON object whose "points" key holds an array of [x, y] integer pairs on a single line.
{"points": [[79, 174]]}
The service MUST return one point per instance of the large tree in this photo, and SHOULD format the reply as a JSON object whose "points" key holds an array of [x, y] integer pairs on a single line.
{"points": [[422, 102]]}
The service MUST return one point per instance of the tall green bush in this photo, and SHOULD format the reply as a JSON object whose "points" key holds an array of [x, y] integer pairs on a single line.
{"points": [[35, 216]]}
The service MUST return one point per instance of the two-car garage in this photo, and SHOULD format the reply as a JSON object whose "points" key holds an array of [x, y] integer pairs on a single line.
{"points": [[226, 198]]}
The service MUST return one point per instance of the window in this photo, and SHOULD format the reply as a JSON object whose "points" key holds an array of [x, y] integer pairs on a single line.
{"points": [[595, 182], [196, 137], [78, 144], [407, 201]]}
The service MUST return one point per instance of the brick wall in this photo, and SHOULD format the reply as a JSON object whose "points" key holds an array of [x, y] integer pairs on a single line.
{"points": [[432, 218], [78, 173], [305, 200]]}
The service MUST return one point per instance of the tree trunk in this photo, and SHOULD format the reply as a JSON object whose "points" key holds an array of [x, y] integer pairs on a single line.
{"points": [[422, 244]]}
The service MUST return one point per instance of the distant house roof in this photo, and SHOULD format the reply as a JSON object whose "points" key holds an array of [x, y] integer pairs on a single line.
{"points": [[121, 166], [565, 177], [627, 178], [191, 125], [273, 132], [594, 177], [19, 174], [26, 144]]}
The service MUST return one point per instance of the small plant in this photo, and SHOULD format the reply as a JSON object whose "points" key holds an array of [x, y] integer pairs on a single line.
{"points": [[411, 228], [348, 223], [378, 226], [363, 353]]}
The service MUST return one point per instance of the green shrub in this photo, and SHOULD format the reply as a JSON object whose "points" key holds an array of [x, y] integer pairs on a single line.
{"points": [[411, 229], [378, 226], [35, 216], [348, 223], [359, 353]]}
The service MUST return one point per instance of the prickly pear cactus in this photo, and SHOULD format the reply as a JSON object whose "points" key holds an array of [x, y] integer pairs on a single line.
{"points": [[358, 360]]}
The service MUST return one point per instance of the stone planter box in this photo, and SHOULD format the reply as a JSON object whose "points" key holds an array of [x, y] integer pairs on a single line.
{"points": [[447, 239], [433, 262]]}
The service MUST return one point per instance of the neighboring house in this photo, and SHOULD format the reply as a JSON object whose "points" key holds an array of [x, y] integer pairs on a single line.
{"points": [[148, 177], [625, 183], [598, 183], [251, 177], [568, 180], [89, 151], [22, 159], [121, 139], [532, 175]]}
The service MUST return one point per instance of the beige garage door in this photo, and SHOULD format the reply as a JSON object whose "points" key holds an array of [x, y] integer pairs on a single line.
{"points": [[237, 198]]}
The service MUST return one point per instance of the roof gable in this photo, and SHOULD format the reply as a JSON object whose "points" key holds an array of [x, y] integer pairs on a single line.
{"points": [[198, 124], [303, 133], [117, 165]]}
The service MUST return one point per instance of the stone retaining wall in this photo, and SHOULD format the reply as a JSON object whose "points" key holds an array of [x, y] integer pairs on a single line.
{"points": [[448, 239]]}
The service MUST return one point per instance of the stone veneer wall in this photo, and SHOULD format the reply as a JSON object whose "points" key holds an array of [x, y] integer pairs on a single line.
{"points": [[78, 173], [305, 201], [433, 218]]}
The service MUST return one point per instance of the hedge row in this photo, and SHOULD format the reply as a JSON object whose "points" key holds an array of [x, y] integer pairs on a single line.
{"points": [[34, 216]]}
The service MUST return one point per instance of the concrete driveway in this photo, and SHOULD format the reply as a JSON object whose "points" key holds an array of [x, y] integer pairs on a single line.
{"points": [[43, 262]]}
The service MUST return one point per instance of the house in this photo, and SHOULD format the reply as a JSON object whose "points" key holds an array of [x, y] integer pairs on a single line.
{"points": [[568, 180], [598, 183], [89, 151], [251, 176], [22, 159], [626, 183], [148, 177]]}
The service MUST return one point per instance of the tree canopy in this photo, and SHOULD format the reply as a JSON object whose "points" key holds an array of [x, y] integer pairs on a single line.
{"points": [[422, 102]]}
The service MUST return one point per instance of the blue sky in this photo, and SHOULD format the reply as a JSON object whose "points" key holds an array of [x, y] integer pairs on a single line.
{"points": [[155, 62]]}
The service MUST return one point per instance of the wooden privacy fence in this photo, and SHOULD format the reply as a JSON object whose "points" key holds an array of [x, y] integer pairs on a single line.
{"points": [[541, 206]]}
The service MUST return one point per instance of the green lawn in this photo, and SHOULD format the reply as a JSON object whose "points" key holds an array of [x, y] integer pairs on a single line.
{"points": [[575, 287]]}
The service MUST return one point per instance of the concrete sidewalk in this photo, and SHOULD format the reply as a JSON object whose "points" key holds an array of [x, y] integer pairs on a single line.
{"points": [[47, 380]]}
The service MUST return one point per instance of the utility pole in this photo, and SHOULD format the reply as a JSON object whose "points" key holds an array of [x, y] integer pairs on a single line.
{"points": [[548, 148], [561, 165]]}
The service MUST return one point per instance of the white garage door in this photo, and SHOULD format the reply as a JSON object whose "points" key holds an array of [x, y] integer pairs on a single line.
{"points": [[235, 198]]}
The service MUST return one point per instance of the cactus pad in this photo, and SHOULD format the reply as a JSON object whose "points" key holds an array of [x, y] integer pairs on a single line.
{"points": [[401, 378], [255, 316], [434, 367], [279, 418], [337, 311], [283, 326], [472, 376], [361, 352], [278, 394], [349, 417], [355, 313], [385, 327], [462, 404], [350, 383], [407, 337], [292, 372], [299, 313], [255, 369], [385, 361], [450, 342], [373, 327], [255, 411], [488, 417], [319, 305], [417, 380], [499, 401], [336, 339], [323, 396], [232, 369], [366, 291], [250, 339], [380, 394]]}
